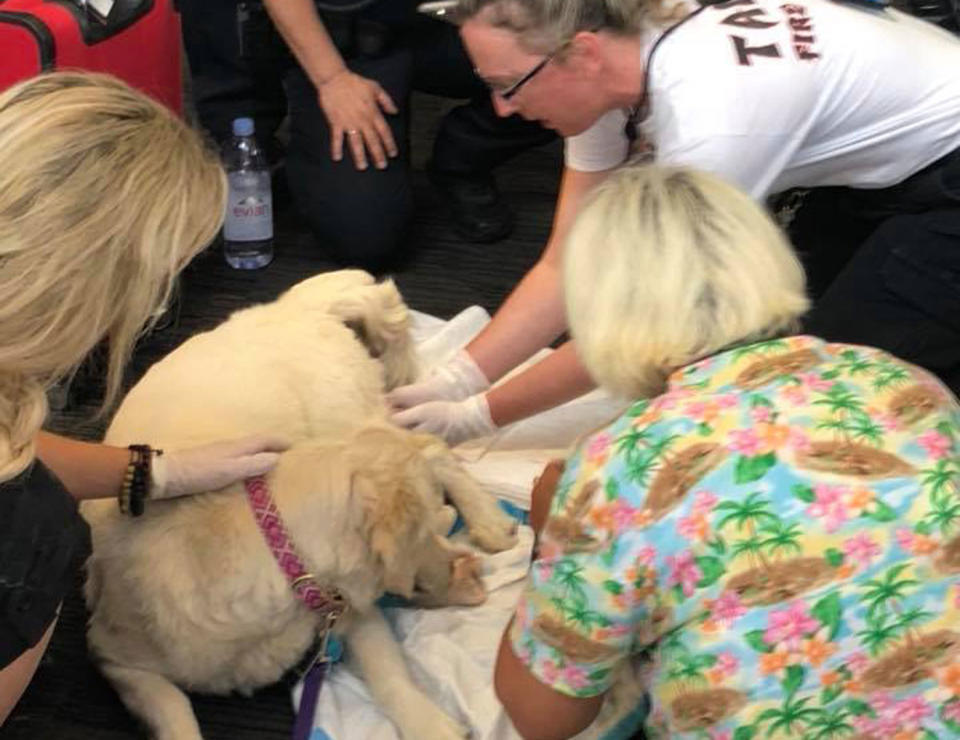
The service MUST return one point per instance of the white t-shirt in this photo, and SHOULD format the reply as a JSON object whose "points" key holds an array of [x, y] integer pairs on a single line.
{"points": [[774, 94]]}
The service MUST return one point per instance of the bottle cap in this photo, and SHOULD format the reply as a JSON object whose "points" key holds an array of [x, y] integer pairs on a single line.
{"points": [[242, 126]]}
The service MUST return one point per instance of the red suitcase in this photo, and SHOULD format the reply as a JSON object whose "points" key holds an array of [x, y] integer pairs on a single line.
{"points": [[136, 40]]}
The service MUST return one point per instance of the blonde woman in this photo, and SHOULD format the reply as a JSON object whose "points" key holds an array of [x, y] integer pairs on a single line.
{"points": [[104, 197], [769, 95], [776, 527]]}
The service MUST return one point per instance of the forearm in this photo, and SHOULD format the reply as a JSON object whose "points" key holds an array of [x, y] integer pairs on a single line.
{"points": [[530, 318], [533, 315], [15, 677], [558, 378], [303, 30], [86, 469]]}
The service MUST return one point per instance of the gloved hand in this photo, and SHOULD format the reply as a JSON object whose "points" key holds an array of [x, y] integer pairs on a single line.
{"points": [[454, 421], [212, 466], [458, 379]]}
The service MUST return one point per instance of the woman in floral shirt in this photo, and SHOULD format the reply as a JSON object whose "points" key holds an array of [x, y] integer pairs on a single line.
{"points": [[777, 530]]}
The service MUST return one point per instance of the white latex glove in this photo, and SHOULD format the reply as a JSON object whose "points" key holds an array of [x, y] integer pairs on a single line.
{"points": [[458, 379], [213, 466], [454, 421]]}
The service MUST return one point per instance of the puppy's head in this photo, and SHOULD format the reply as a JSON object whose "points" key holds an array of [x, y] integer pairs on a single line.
{"points": [[400, 500]]}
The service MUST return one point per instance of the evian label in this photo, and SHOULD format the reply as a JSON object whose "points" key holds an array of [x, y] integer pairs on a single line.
{"points": [[249, 216]]}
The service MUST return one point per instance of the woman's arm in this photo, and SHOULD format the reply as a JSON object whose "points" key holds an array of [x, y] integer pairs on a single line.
{"points": [[554, 380], [91, 470], [86, 469], [15, 677], [537, 711], [533, 314]]}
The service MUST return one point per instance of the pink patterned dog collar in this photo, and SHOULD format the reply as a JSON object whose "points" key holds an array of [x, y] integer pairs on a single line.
{"points": [[327, 603]]}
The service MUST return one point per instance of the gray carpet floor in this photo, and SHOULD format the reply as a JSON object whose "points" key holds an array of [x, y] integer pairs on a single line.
{"points": [[68, 699]]}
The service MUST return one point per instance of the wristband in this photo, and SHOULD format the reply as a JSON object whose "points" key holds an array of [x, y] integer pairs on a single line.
{"points": [[136, 479]]}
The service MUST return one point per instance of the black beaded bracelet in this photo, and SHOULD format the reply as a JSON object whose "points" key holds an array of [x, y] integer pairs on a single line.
{"points": [[136, 479]]}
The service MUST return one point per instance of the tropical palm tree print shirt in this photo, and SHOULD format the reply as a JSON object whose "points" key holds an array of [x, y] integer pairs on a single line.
{"points": [[779, 533]]}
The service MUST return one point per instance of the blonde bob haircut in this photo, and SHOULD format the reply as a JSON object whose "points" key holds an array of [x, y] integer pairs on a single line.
{"points": [[664, 266], [104, 196]]}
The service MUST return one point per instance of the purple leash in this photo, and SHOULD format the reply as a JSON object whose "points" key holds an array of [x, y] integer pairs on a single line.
{"points": [[312, 682]]}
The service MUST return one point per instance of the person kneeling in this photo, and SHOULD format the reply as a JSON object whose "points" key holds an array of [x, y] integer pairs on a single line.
{"points": [[773, 521]]}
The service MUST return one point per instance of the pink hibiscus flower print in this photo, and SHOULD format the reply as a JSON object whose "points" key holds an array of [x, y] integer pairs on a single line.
{"points": [[797, 440], [704, 501], [882, 702], [727, 400], [952, 711], [727, 664], [550, 671], [790, 625], [861, 548], [622, 515], [857, 662], [646, 555], [829, 505], [815, 383], [693, 527], [905, 538], [701, 411], [761, 414], [684, 572], [575, 677], [936, 444], [745, 441], [912, 711], [599, 448], [727, 607], [544, 568], [794, 394]]}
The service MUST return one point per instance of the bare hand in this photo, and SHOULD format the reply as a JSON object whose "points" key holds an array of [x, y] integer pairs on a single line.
{"points": [[352, 105]]}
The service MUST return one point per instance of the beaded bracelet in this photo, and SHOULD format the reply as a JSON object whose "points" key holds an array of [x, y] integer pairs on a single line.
{"points": [[136, 479]]}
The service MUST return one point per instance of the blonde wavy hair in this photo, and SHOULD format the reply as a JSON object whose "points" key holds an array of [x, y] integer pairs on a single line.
{"points": [[543, 26], [104, 196], [667, 265]]}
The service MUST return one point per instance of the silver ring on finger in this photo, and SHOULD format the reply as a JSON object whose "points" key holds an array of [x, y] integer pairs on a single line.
{"points": [[352, 132]]}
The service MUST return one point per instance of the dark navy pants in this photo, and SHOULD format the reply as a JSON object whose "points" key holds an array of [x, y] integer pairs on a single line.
{"points": [[884, 266]]}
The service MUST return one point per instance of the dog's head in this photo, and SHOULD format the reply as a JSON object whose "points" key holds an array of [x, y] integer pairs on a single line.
{"points": [[404, 521], [374, 311]]}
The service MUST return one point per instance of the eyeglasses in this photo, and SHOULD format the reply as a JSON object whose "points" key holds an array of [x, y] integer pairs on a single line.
{"points": [[508, 92]]}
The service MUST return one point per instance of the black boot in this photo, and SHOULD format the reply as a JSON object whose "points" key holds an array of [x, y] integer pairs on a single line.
{"points": [[477, 211]]}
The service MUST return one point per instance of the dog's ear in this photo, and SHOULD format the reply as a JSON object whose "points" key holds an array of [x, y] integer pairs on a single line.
{"points": [[381, 321], [390, 525]]}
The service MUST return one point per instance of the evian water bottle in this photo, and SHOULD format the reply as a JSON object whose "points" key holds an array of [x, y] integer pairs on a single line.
{"points": [[248, 224]]}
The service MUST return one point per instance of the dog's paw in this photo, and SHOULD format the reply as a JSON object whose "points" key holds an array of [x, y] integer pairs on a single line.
{"points": [[466, 586], [495, 531], [427, 721]]}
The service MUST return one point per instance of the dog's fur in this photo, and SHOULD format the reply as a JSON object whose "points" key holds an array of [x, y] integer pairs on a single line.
{"points": [[189, 594]]}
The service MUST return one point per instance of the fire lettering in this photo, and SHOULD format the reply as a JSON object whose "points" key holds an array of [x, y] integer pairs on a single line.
{"points": [[801, 31], [744, 52], [748, 19]]}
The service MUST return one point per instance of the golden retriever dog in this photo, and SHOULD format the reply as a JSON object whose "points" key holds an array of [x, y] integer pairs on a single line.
{"points": [[189, 595]]}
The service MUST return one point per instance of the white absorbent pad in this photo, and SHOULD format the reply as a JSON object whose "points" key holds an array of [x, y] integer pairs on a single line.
{"points": [[451, 651]]}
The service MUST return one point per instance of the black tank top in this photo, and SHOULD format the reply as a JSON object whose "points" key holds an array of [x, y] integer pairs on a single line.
{"points": [[43, 543]]}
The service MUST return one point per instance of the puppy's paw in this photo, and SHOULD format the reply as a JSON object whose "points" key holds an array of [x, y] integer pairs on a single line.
{"points": [[495, 531], [427, 721], [466, 586]]}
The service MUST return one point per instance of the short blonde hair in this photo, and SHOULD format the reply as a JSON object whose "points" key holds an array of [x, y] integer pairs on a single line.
{"points": [[544, 25], [104, 196], [666, 265]]}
